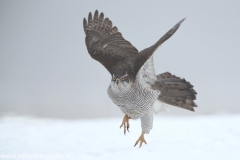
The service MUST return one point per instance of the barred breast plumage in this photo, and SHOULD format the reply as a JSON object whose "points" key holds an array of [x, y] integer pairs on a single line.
{"points": [[134, 101], [137, 98]]}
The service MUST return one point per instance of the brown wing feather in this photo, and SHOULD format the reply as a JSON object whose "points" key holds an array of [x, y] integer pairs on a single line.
{"points": [[145, 54], [175, 91], [105, 43]]}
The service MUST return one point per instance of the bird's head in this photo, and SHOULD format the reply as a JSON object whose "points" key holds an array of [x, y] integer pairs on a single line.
{"points": [[121, 78]]}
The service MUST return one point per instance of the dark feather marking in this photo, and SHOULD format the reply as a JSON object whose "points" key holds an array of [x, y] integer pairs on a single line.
{"points": [[95, 19], [90, 22], [100, 20]]}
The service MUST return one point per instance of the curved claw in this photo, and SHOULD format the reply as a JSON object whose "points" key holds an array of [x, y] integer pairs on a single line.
{"points": [[125, 123], [141, 140]]}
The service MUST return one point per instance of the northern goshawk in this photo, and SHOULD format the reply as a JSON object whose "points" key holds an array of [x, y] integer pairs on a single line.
{"points": [[135, 88]]}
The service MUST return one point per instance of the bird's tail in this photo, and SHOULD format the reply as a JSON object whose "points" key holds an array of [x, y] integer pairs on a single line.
{"points": [[175, 91]]}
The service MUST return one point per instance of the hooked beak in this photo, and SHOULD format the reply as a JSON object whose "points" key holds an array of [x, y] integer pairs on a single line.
{"points": [[117, 81]]}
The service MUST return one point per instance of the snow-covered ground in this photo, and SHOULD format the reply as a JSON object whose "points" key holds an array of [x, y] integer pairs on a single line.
{"points": [[177, 138]]}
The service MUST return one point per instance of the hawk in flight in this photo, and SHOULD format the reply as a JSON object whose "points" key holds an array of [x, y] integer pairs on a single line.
{"points": [[135, 88]]}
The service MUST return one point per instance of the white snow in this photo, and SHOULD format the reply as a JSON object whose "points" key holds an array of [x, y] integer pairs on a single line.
{"points": [[200, 138]]}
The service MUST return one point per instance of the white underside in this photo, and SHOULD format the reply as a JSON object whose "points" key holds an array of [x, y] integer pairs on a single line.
{"points": [[160, 107], [148, 77]]}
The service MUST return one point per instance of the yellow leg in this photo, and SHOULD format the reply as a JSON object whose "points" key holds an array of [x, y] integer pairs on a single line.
{"points": [[141, 140], [125, 123]]}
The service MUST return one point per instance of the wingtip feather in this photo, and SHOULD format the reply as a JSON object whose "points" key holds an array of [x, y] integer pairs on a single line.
{"points": [[90, 16], [101, 18], [179, 23], [95, 19], [85, 25]]}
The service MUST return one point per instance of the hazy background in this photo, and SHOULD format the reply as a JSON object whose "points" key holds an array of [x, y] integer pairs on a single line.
{"points": [[45, 69]]}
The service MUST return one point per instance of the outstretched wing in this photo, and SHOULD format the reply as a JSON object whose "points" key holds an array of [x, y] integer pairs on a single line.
{"points": [[105, 44], [145, 54]]}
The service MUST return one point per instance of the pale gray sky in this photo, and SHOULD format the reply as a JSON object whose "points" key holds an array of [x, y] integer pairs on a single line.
{"points": [[45, 68]]}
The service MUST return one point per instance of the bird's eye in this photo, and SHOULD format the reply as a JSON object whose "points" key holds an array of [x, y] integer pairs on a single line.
{"points": [[123, 78], [114, 78]]}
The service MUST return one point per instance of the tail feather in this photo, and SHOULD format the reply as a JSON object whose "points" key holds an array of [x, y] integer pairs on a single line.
{"points": [[175, 91]]}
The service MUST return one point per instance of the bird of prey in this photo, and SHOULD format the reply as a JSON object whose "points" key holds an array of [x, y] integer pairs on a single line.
{"points": [[135, 88]]}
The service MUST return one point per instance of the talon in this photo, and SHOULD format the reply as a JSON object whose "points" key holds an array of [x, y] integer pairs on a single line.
{"points": [[127, 129], [141, 139], [136, 144], [125, 124]]}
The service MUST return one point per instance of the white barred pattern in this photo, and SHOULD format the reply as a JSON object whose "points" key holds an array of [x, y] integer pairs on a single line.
{"points": [[137, 98]]}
